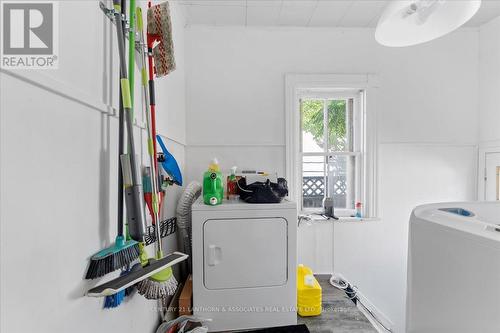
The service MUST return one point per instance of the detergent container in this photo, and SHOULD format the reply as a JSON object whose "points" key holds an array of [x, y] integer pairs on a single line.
{"points": [[308, 293], [213, 190]]}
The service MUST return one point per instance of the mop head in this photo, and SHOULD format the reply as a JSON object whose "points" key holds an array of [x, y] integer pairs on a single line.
{"points": [[158, 286], [112, 258], [160, 27]]}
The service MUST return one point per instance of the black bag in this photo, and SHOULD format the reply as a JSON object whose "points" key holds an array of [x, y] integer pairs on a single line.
{"points": [[260, 192]]}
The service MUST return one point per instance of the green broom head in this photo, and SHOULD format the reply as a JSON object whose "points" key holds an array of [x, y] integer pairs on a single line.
{"points": [[159, 285], [121, 254]]}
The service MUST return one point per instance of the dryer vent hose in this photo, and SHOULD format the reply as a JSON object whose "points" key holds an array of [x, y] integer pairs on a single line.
{"points": [[183, 213]]}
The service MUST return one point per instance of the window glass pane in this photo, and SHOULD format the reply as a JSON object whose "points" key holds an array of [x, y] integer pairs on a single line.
{"points": [[312, 125], [341, 178], [313, 181], [340, 130]]}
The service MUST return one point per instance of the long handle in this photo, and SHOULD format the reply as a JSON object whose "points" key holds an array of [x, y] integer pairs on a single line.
{"points": [[151, 83], [151, 151], [131, 50], [121, 151], [135, 202]]}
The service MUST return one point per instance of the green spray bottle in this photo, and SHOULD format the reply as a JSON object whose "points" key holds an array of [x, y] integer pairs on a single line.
{"points": [[213, 190]]}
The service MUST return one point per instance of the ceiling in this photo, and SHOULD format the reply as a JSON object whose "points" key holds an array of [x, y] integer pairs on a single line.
{"points": [[302, 13]]}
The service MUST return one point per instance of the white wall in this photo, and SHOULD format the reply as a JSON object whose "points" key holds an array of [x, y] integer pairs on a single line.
{"points": [[489, 87], [427, 132], [59, 169], [489, 73]]}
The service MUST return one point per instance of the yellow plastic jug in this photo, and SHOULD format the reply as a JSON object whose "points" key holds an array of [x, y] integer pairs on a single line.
{"points": [[308, 293]]}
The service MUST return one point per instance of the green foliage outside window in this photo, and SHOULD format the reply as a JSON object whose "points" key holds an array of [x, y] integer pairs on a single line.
{"points": [[312, 122]]}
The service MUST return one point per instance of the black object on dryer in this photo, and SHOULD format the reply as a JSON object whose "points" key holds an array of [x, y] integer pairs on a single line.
{"points": [[263, 192]]}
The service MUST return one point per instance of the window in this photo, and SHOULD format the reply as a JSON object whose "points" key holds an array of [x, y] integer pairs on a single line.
{"points": [[330, 145], [330, 150]]}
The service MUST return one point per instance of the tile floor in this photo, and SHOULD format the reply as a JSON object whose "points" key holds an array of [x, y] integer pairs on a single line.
{"points": [[339, 315]]}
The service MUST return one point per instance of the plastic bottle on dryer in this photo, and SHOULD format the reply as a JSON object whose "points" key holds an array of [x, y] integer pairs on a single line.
{"points": [[213, 190], [232, 185]]}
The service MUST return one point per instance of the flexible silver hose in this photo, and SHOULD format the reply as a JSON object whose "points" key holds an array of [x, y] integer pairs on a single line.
{"points": [[183, 213]]}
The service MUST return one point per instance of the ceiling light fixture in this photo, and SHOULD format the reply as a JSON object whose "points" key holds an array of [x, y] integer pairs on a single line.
{"points": [[405, 23]]}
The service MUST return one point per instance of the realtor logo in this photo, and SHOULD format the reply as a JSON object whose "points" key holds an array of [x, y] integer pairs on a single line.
{"points": [[29, 35]]}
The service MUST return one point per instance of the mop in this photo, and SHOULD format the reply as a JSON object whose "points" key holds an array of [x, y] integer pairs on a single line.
{"points": [[123, 251], [163, 283], [160, 31]]}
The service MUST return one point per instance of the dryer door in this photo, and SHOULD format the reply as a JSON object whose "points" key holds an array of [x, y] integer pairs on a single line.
{"points": [[245, 253]]}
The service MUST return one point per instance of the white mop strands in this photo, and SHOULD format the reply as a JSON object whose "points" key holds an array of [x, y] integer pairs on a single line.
{"points": [[152, 289]]}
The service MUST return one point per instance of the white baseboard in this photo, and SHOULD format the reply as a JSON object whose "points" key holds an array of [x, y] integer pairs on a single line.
{"points": [[381, 323]]}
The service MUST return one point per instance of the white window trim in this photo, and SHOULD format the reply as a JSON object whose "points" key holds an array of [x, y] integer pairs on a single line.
{"points": [[295, 83]]}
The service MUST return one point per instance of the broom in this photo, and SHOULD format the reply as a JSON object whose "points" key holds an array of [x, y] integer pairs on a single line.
{"points": [[115, 300], [123, 251], [163, 283]]}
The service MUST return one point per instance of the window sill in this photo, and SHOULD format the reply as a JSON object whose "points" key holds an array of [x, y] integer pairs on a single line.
{"points": [[357, 219], [306, 218]]}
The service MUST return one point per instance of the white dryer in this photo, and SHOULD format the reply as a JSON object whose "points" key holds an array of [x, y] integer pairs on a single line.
{"points": [[244, 264]]}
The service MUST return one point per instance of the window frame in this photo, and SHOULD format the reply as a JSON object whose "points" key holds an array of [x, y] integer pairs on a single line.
{"points": [[300, 86], [355, 151]]}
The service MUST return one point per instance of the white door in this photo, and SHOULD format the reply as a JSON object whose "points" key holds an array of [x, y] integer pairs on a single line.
{"points": [[245, 253], [492, 188]]}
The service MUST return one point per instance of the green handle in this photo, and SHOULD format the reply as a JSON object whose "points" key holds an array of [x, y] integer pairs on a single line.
{"points": [[138, 16], [131, 50], [143, 256], [126, 98]]}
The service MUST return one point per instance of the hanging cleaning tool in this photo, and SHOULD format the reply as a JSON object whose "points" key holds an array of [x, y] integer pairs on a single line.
{"points": [[169, 163], [160, 32], [158, 270], [162, 283], [117, 256], [121, 283], [308, 293], [213, 190], [115, 300], [148, 191], [122, 252], [134, 199]]}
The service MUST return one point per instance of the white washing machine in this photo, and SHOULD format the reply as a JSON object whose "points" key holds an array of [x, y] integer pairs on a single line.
{"points": [[454, 268], [244, 264]]}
